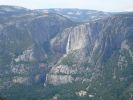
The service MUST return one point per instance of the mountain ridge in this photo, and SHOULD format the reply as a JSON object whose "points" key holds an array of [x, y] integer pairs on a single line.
{"points": [[66, 58]]}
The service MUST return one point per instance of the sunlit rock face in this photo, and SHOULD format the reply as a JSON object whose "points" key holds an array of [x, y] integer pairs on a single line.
{"points": [[20, 80], [77, 38], [64, 69], [59, 79], [27, 55], [60, 75]]}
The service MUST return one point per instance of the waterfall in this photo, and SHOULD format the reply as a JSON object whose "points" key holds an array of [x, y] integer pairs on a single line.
{"points": [[68, 45]]}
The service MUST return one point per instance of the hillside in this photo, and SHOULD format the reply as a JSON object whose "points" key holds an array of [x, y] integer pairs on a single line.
{"points": [[47, 54]]}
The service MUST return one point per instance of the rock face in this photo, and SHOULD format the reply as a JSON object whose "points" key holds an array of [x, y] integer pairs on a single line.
{"points": [[77, 38], [27, 55], [81, 93], [59, 79], [46, 48], [61, 75]]}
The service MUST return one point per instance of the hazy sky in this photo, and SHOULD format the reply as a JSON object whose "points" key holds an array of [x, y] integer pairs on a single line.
{"points": [[104, 5]]}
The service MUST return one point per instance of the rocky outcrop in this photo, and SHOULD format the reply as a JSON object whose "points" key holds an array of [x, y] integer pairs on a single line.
{"points": [[59, 79], [20, 80], [61, 75], [63, 69], [26, 56]]}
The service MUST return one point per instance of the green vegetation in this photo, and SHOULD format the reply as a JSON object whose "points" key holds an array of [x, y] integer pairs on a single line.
{"points": [[69, 60], [38, 92]]}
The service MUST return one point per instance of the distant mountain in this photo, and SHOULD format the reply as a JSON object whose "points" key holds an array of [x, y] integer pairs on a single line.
{"points": [[78, 15], [65, 54]]}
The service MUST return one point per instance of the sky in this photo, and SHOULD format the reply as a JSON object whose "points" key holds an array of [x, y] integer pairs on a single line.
{"points": [[102, 5]]}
